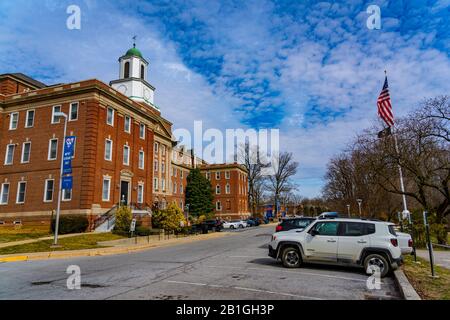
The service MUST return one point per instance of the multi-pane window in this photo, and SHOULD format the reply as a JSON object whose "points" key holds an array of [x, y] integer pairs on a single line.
{"points": [[163, 167], [163, 150], [29, 120], [48, 191], [66, 194], [140, 193], [9, 156], [4, 193], [181, 174], [110, 116], [21, 190], [155, 166], [26, 150], [155, 184], [141, 159], [156, 147], [127, 124], [227, 188], [218, 206], [175, 187], [142, 131], [73, 111], [126, 155], [227, 174], [13, 120], [217, 175], [163, 184], [106, 189], [108, 149], [56, 109], [52, 149], [218, 189], [181, 189]]}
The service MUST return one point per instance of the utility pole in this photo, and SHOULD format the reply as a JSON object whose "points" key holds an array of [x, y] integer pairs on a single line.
{"points": [[359, 205]]}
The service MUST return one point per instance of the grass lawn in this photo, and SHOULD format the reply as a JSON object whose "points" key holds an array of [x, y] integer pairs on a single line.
{"points": [[10, 233], [427, 287], [87, 241]]}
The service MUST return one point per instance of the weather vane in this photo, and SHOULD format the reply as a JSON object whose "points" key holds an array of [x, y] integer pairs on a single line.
{"points": [[134, 41]]}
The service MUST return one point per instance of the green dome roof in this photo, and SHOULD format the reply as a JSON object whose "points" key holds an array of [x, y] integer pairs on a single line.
{"points": [[134, 52]]}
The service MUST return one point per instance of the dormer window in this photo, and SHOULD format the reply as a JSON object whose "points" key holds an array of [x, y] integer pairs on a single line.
{"points": [[126, 73]]}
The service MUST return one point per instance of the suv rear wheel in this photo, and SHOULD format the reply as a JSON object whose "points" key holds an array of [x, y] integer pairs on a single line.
{"points": [[291, 257], [378, 261]]}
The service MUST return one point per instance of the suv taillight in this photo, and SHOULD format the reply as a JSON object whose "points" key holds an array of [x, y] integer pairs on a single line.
{"points": [[279, 228], [394, 242], [410, 243]]}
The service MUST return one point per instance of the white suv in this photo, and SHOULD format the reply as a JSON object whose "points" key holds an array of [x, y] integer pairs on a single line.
{"points": [[356, 242]]}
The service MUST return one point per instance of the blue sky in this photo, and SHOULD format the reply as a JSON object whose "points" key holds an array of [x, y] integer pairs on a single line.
{"points": [[312, 69]]}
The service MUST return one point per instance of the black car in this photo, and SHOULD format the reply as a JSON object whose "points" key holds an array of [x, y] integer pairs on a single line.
{"points": [[294, 223], [215, 225]]}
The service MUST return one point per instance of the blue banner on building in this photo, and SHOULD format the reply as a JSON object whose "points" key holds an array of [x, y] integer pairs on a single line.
{"points": [[69, 147], [67, 183], [67, 166]]}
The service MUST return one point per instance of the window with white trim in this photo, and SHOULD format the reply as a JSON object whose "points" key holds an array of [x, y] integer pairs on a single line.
{"points": [[13, 120], [48, 190], [56, 109], [66, 195], [227, 188], [155, 166], [4, 193], [126, 155], [175, 187], [106, 188], [227, 174], [141, 160], [52, 149], [110, 116], [21, 190], [140, 193], [163, 167], [73, 111], [156, 147], [218, 189], [155, 184], [29, 119], [142, 130], [163, 184], [181, 189], [26, 151], [9, 156], [181, 173], [127, 124], [217, 175], [218, 206], [108, 149]]}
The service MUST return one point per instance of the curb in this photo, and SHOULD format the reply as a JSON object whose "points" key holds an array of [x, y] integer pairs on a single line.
{"points": [[406, 289], [97, 252]]}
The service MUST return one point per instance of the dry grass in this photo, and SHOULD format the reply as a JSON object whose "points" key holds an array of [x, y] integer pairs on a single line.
{"points": [[11, 233]]}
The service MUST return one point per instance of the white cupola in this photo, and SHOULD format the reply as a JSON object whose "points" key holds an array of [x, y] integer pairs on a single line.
{"points": [[133, 77]]}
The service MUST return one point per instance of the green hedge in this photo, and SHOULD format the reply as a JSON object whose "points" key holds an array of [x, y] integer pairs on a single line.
{"points": [[71, 224]]}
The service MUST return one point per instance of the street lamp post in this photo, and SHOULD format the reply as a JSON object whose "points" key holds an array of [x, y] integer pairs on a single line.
{"points": [[348, 210], [359, 205], [58, 208]]}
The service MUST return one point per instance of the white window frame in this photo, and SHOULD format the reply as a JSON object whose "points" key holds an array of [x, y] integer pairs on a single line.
{"points": [[142, 130], [125, 119], [140, 193], [109, 189], [181, 188], [181, 173], [7, 152], [141, 162], [50, 149], [18, 192], [110, 150], [45, 190], [218, 189], [163, 150], [217, 175], [112, 116], [156, 147], [63, 194], [155, 184], [163, 167], [155, 166], [72, 104], [175, 187], [2, 191], [218, 206], [126, 151], [163, 184], [11, 117], [53, 114], [227, 189], [227, 175], [23, 152], [27, 117]]}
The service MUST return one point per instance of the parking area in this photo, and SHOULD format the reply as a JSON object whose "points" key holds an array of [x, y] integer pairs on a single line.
{"points": [[231, 267]]}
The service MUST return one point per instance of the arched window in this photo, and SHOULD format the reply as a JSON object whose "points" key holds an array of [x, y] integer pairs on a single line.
{"points": [[142, 72], [127, 70]]}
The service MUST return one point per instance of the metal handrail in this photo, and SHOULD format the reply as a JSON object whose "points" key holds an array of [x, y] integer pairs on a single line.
{"points": [[105, 217]]}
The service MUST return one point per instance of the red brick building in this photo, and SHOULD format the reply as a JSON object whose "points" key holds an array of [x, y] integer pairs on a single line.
{"points": [[123, 149]]}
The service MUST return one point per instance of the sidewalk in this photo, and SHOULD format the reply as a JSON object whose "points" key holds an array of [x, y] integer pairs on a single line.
{"points": [[441, 258], [119, 248], [15, 243]]}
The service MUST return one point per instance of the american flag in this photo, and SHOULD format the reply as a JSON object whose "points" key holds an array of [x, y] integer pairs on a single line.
{"points": [[384, 105]]}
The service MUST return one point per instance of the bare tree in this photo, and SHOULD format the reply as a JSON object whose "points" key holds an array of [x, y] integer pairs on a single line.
{"points": [[284, 168]]}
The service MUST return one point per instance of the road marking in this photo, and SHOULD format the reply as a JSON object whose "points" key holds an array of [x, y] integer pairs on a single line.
{"points": [[244, 289], [292, 272]]}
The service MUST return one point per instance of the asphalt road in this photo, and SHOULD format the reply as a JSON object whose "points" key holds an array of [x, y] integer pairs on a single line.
{"points": [[231, 267]]}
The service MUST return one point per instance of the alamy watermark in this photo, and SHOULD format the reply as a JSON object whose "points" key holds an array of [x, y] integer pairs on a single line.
{"points": [[73, 22], [374, 20], [74, 280]]}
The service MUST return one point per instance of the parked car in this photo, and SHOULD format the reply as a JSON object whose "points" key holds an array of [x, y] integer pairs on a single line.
{"points": [[405, 242], [356, 242], [234, 224], [251, 222], [257, 221], [294, 223], [215, 225]]}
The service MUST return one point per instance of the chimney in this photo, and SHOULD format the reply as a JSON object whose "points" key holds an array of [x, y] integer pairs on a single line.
{"points": [[192, 159]]}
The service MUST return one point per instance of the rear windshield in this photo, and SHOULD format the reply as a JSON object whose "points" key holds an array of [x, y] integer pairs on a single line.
{"points": [[392, 230]]}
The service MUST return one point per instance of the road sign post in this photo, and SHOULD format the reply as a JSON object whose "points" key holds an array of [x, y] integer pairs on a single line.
{"points": [[430, 245]]}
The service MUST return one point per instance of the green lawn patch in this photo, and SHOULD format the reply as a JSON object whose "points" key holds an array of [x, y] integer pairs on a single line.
{"points": [[427, 287], [86, 241], [10, 234]]}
